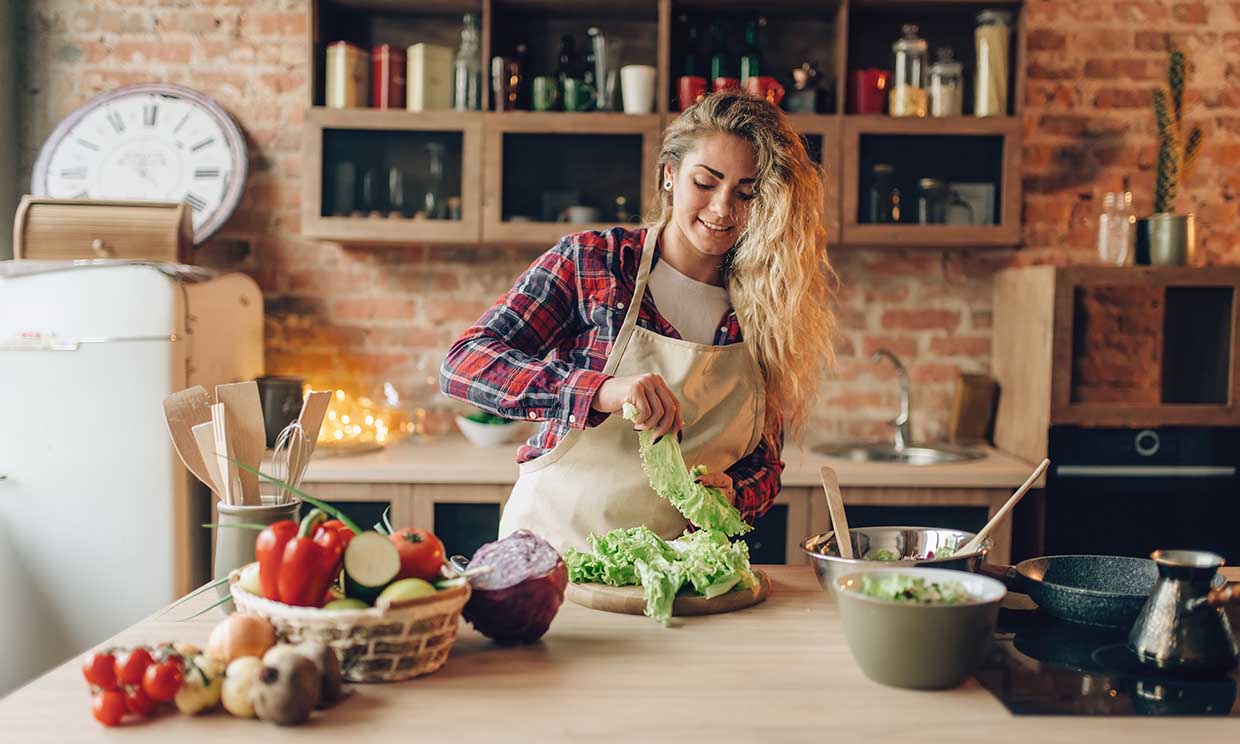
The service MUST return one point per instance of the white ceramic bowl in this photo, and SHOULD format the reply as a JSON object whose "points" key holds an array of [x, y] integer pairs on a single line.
{"points": [[489, 435]]}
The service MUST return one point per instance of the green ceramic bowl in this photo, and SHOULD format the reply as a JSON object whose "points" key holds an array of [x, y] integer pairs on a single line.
{"points": [[924, 647]]}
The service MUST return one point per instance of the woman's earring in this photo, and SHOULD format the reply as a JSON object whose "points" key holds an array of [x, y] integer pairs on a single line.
{"points": [[667, 185]]}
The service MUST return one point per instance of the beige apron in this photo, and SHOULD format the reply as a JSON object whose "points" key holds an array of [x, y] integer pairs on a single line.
{"points": [[592, 480]]}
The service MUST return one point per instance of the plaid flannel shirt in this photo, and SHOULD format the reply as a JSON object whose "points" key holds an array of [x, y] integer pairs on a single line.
{"points": [[539, 352]]}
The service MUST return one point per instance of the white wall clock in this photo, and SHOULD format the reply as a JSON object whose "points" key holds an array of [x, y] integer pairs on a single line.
{"points": [[152, 141]]}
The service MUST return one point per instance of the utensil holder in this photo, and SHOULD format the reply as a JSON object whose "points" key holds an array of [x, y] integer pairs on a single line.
{"points": [[234, 546]]}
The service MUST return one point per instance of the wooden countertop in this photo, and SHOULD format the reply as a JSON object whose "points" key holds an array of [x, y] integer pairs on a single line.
{"points": [[455, 460], [779, 671]]}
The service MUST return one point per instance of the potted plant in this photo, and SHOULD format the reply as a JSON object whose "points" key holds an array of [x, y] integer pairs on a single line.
{"points": [[1170, 236]]}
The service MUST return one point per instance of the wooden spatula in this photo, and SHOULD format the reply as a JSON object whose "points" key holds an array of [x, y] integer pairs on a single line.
{"points": [[835, 505], [230, 486], [313, 409], [245, 433], [183, 411], [204, 435]]}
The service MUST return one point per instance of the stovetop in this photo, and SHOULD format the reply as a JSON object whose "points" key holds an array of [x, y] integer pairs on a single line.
{"points": [[1042, 666]]}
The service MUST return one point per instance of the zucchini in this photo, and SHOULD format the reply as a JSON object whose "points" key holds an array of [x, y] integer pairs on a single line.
{"points": [[371, 562]]}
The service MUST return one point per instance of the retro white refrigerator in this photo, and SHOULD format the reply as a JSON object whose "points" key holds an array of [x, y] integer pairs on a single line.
{"points": [[100, 524]]}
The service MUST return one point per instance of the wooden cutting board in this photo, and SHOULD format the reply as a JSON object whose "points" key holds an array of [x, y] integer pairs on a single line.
{"points": [[630, 601]]}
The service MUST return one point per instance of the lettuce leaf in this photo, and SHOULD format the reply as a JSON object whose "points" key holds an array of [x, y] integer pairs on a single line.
{"points": [[664, 464], [707, 560]]}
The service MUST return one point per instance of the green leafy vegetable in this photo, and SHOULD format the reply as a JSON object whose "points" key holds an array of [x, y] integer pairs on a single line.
{"points": [[899, 588], [706, 560], [882, 554], [664, 465]]}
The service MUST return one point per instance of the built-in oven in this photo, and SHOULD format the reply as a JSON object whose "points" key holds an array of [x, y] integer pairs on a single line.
{"points": [[1132, 491]]}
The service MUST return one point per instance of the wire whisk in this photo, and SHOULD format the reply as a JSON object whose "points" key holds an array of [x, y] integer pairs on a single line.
{"points": [[289, 459]]}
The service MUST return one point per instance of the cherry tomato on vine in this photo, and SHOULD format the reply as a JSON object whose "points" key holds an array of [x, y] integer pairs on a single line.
{"points": [[108, 707], [99, 669], [131, 665]]}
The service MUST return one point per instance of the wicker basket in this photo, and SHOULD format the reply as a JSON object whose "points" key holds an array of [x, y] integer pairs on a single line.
{"points": [[399, 641]]}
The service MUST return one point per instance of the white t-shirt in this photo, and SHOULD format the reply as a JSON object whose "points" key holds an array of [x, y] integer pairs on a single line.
{"points": [[694, 309]]}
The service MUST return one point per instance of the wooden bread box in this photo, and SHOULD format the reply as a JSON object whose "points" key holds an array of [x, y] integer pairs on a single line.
{"points": [[66, 229]]}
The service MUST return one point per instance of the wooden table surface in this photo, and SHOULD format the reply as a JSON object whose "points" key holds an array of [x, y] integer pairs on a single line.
{"points": [[779, 671]]}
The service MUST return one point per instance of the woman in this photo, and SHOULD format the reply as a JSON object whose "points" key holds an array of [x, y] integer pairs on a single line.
{"points": [[654, 317]]}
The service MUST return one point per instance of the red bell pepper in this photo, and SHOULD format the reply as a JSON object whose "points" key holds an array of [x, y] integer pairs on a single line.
{"points": [[310, 562], [269, 550], [343, 533]]}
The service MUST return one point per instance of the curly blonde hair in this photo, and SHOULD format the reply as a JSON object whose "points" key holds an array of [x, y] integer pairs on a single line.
{"points": [[778, 274]]}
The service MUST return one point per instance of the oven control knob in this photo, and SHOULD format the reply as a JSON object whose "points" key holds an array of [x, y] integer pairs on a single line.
{"points": [[1148, 442]]}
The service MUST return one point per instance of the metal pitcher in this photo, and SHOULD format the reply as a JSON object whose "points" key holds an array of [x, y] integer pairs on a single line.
{"points": [[1183, 625]]}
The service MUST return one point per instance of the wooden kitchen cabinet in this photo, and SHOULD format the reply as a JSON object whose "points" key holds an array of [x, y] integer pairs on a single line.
{"points": [[1131, 347]]}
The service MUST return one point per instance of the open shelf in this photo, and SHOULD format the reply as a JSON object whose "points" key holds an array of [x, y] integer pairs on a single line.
{"points": [[345, 146], [1131, 347], [977, 159], [875, 24], [839, 35], [540, 164]]}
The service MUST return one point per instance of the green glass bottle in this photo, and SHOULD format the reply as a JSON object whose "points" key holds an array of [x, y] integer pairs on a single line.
{"points": [[751, 58]]}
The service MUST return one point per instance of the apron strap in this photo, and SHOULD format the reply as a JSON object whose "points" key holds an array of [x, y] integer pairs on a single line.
{"points": [[634, 309]]}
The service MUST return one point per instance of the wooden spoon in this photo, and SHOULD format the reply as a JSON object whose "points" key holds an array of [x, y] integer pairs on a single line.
{"points": [[835, 504], [1000, 515], [245, 434], [184, 410]]}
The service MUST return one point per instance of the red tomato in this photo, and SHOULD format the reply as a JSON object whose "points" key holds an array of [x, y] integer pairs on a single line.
{"points": [[99, 669], [139, 702], [131, 665], [421, 553], [161, 680], [108, 707]]}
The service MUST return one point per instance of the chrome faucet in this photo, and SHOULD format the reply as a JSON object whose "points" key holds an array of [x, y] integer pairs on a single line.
{"points": [[902, 437]]}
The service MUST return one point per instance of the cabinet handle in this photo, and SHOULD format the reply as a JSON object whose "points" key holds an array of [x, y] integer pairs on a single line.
{"points": [[1145, 471]]}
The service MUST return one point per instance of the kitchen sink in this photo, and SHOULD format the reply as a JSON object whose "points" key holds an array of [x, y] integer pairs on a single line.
{"points": [[911, 455]]}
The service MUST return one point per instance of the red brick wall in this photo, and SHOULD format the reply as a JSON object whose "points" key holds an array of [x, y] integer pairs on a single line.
{"points": [[367, 315]]}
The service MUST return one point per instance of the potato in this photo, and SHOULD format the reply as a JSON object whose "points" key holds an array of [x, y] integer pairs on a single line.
{"points": [[239, 680]]}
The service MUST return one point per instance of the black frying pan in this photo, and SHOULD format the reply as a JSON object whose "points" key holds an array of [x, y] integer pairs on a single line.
{"points": [[1102, 591]]}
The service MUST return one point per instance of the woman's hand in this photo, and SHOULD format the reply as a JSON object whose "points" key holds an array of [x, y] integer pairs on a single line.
{"points": [[657, 407], [722, 481]]}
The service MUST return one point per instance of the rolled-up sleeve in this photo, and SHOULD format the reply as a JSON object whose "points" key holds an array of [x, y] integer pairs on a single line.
{"points": [[756, 477], [501, 365]]}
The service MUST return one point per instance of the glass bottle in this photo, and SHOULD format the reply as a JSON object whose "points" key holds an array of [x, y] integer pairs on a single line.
{"points": [[433, 199], [881, 208], [946, 85], [467, 69], [931, 202], [718, 52], [908, 91], [992, 38], [1116, 229], [751, 57]]}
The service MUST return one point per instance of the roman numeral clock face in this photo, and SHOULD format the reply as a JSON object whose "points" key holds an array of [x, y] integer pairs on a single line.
{"points": [[148, 142]]}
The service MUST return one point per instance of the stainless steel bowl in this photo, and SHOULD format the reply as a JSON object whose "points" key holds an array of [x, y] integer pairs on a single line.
{"points": [[904, 541]]}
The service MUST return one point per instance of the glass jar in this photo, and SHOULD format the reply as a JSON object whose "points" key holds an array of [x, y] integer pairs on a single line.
{"points": [[946, 85], [882, 205], [935, 199], [992, 37], [908, 90]]}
